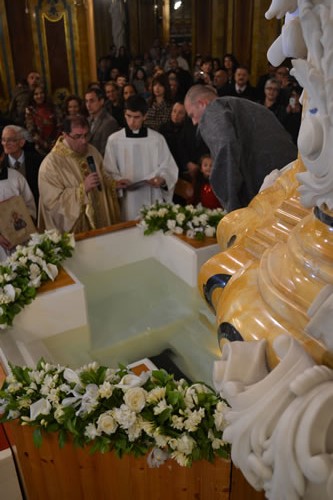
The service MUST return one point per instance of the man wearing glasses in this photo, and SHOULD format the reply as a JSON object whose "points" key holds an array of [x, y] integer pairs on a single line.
{"points": [[26, 162], [76, 194]]}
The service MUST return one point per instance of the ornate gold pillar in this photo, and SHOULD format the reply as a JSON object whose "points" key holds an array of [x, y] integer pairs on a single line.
{"points": [[55, 38]]}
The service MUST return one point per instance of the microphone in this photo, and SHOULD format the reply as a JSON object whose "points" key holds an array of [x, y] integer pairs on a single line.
{"points": [[92, 167]]}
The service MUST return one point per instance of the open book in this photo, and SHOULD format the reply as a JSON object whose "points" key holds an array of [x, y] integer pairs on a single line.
{"points": [[16, 223]]}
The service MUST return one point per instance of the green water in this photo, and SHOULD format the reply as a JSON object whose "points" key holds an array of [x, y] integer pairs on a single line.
{"points": [[137, 311]]}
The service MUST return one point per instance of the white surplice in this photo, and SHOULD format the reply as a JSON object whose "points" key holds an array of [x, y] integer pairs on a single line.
{"points": [[136, 159]]}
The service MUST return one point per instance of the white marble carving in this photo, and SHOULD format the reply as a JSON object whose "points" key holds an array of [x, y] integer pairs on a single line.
{"points": [[280, 422], [313, 68]]}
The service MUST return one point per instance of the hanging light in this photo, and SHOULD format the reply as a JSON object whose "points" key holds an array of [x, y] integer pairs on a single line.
{"points": [[26, 10], [177, 4]]}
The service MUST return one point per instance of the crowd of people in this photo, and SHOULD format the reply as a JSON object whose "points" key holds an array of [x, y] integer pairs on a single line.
{"points": [[134, 137]]}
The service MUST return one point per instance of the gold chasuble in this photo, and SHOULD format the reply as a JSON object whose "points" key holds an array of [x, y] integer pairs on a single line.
{"points": [[63, 203]]}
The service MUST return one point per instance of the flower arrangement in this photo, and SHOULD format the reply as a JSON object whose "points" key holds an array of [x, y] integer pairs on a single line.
{"points": [[195, 222], [117, 410], [27, 268]]}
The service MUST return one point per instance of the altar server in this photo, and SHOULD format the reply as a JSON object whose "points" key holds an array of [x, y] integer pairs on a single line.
{"points": [[139, 159]]}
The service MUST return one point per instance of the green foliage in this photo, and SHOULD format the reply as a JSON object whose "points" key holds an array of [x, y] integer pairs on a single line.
{"points": [[27, 268], [195, 222], [117, 410]]}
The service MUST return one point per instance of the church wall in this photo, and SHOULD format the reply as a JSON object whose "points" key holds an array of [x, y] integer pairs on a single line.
{"points": [[62, 39]]}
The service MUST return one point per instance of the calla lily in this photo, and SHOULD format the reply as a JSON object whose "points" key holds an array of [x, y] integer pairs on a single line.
{"points": [[40, 407]]}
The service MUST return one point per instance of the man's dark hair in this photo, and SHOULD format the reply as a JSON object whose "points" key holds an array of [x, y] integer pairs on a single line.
{"points": [[100, 94], [74, 121], [136, 103]]}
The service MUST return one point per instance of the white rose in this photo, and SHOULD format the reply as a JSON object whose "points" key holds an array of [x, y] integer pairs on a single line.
{"points": [[106, 423], [135, 398], [179, 230]]}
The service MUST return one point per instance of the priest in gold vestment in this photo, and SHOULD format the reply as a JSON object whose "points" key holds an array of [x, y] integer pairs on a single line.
{"points": [[76, 194]]}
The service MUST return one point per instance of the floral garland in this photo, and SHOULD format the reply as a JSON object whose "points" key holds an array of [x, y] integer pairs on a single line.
{"points": [[118, 410], [195, 222], [27, 268]]}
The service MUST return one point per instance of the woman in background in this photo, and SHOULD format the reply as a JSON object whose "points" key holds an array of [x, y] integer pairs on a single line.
{"points": [[160, 103], [42, 120]]}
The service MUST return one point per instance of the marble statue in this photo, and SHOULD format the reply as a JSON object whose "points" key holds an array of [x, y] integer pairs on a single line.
{"points": [[118, 19], [280, 418]]}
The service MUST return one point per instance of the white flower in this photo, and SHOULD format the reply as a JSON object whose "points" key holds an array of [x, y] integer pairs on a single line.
{"points": [[51, 271], [156, 394], [157, 457], [193, 421], [13, 414], [71, 240], [195, 221], [9, 292], [180, 218], [135, 399], [209, 231], [162, 212], [59, 414], [106, 423], [185, 444], [178, 230], [71, 376], [220, 415], [190, 234], [148, 427], [160, 440], [177, 422], [124, 416], [180, 458], [131, 380], [191, 397], [161, 406], [40, 407], [105, 390], [89, 400], [171, 224], [135, 430], [91, 431], [53, 235], [203, 218]]}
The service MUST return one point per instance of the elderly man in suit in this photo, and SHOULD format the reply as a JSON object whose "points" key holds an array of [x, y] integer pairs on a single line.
{"points": [[26, 162], [102, 124]]}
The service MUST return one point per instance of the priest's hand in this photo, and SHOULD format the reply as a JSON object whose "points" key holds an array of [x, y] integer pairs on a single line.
{"points": [[122, 183], [157, 181], [4, 243], [91, 182]]}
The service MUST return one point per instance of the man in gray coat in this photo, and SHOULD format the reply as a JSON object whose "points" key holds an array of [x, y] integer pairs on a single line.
{"points": [[245, 139], [102, 124]]}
